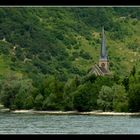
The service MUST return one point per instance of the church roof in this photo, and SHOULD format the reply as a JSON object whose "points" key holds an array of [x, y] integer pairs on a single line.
{"points": [[96, 70]]}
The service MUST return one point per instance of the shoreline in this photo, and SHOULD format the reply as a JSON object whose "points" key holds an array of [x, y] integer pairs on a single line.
{"points": [[77, 113]]}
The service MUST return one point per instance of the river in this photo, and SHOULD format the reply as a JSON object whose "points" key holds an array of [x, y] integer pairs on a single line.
{"points": [[11, 123]]}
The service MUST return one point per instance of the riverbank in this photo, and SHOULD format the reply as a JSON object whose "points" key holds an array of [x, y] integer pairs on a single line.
{"points": [[97, 112], [77, 113]]}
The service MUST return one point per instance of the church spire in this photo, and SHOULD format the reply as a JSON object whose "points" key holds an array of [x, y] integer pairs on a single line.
{"points": [[103, 62], [103, 54], [103, 67]]}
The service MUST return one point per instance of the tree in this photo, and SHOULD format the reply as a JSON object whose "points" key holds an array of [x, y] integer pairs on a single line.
{"points": [[105, 98], [17, 93], [92, 78], [83, 98], [25, 95], [53, 94], [69, 89], [125, 82], [29, 103], [8, 92], [38, 102], [134, 97], [120, 98]]}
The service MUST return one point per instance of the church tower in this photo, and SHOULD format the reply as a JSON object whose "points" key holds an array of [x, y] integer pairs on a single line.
{"points": [[103, 62], [102, 68]]}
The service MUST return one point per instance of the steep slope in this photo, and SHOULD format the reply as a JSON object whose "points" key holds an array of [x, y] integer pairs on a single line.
{"points": [[65, 41]]}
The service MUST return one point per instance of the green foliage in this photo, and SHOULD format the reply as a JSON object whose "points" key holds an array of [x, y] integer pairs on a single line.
{"points": [[24, 97], [29, 103], [105, 98], [69, 91], [4, 47], [83, 98], [53, 93], [53, 102], [38, 102], [120, 99], [92, 78], [116, 79], [48, 47], [104, 80], [125, 82], [50, 42], [8, 93], [71, 85], [133, 72], [134, 46], [17, 93], [134, 98], [85, 55]]}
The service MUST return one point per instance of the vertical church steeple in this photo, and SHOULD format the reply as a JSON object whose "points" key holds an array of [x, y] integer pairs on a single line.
{"points": [[103, 54], [102, 68], [103, 62]]}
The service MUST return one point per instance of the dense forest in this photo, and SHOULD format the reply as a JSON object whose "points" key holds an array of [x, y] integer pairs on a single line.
{"points": [[46, 53]]}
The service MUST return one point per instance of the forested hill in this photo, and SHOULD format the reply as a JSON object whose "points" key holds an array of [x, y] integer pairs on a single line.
{"points": [[65, 41]]}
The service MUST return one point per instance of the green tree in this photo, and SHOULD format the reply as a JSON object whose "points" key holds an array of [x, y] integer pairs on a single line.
{"points": [[83, 98], [29, 103], [25, 95], [105, 98], [125, 82], [69, 88], [134, 97], [8, 93], [120, 99], [38, 102], [53, 94]]}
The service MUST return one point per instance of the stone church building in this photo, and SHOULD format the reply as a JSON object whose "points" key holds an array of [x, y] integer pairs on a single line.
{"points": [[102, 68]]}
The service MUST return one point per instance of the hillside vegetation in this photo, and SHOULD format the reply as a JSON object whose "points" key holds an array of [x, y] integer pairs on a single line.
{"points": [[44, 51], [66, 41]]}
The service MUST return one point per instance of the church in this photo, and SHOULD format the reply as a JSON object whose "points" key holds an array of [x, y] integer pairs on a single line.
{"points": [[102, 68]]}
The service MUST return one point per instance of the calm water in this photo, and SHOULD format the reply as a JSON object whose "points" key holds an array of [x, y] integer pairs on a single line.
{"points": [[67, 124]]}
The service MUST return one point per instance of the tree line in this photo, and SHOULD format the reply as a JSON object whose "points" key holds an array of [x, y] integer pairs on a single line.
{"points": [[108, 93]]}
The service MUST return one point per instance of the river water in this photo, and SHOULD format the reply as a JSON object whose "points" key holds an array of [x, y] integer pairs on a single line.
{"points": [[67, 124]]}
